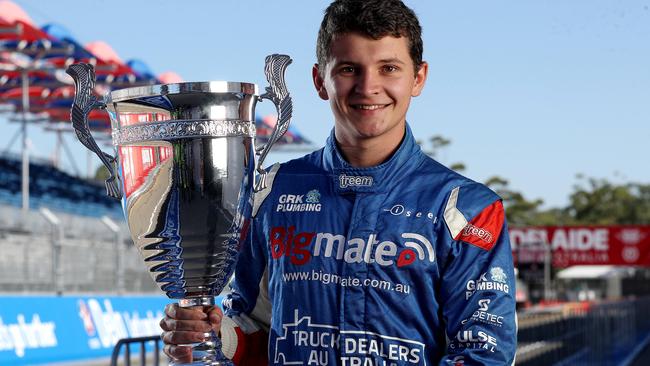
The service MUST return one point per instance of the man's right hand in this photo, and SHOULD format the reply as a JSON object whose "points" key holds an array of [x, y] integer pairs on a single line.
{"points": [[182, 326]]}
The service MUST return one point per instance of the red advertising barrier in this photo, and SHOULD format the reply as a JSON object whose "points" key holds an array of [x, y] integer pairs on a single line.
{"points": [[627, 245]]}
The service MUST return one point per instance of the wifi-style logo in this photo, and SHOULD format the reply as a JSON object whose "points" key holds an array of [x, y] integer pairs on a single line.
{"points": [[419, 247]]}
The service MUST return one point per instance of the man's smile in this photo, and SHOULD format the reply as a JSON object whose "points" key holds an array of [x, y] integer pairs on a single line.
{"points": [[369, 107]]}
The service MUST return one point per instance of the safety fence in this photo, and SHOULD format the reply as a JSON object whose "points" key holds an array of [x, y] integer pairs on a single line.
{"points": [[608, 333], [58, 253], [123, 347]]}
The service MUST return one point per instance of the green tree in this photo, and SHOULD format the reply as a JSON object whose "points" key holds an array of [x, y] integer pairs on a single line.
{"points": [[519, 210], [592, 202], [438, 143], [459, 167], [601, 202]]}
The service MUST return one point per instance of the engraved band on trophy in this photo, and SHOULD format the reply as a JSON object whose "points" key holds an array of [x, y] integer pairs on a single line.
{"points": [[185, 174]]}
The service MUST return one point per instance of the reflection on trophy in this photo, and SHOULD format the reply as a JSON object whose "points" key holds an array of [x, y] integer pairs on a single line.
{"points": [[185, 174]]}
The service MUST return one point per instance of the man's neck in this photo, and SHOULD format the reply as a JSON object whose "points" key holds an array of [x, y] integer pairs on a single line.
{"points": [[368, 152]]}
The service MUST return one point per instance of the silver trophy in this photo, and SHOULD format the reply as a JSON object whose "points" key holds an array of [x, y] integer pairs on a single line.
{"points": [[185, 172]]}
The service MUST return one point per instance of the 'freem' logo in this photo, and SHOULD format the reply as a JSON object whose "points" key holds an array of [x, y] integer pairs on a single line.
{"points": [[300, 247], [346, 181]]}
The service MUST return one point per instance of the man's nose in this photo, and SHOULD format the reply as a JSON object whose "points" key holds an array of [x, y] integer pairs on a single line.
{"points": [[367, 83]]}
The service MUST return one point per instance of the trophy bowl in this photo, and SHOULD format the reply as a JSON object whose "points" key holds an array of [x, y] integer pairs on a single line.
{"points": [[185, 169]]}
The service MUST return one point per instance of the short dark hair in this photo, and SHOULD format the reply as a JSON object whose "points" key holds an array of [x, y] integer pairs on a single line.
{"points": [[372, 18]]}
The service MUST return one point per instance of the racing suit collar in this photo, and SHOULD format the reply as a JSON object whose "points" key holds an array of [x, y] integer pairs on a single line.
{"points": [[349, 179]]}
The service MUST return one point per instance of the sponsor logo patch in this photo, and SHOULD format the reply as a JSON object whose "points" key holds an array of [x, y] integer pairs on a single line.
{"points": [[309, 202], [313, 196], [300, 247], [346, 181], [498, 275], [483, 315], [303, 341], [474, 340], [498, 282], [483, 231], [471, 230], [399, 210], [457, 361], [631, 236]]}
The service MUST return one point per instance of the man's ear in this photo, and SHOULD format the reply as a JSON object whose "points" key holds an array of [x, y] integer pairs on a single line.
{"points": [[319, 82], [420, 79]]}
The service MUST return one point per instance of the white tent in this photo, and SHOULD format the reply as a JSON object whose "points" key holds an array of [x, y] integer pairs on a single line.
{"points": [[598, 281], [595, 272]]}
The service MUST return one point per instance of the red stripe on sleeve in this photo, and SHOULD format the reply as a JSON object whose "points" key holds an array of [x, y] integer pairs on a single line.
{"points": [[484, 229]]}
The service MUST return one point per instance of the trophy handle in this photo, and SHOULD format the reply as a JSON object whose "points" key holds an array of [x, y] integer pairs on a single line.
{"points": [[277, 92], [84, 102]]}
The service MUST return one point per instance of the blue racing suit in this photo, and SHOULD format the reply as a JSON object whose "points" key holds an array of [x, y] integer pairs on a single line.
{"points": [[405, 263]]}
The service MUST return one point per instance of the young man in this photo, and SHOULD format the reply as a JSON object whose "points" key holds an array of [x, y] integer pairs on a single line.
{"points": [[367, 252]]}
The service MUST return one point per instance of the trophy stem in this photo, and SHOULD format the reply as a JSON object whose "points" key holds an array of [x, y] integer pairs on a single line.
{"points": [[208, 352]]}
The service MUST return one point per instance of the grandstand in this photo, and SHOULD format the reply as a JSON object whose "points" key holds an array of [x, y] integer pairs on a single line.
{"points": [[53, 188], [81, 254]]}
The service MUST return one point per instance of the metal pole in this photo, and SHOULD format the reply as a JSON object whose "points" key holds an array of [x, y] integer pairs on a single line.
{"points": [[56, 242], [120, 263], [92, 262], [26, 270], [547, 271], [25, 152], [59, 263]]}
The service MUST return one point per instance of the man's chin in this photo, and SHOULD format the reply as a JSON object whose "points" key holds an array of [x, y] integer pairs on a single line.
{"points": [[365, 130], [368, 132], [375, 129]]}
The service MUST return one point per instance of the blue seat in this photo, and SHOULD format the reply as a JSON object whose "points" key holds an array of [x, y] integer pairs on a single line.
{"points": [[55, 189]]}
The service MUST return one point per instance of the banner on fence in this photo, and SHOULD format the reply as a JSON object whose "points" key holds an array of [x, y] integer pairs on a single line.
{"points": [[48, 329], [582, 245]]}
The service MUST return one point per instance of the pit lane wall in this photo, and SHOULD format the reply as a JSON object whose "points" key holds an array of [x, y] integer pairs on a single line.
{"points": [[47, 329]]}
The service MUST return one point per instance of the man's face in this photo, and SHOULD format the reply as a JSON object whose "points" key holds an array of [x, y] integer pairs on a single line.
{"points": [[369, 84]]}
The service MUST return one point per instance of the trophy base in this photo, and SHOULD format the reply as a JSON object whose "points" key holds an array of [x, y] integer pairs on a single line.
{"points": [[208, 352]]}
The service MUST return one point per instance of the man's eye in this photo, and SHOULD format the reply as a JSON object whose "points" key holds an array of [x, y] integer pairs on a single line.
{"points": [[347, 69], [390, 68]]}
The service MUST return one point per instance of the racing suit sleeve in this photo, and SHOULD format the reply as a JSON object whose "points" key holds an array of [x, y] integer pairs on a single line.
{"points": [[244, 329], [478, 286]]}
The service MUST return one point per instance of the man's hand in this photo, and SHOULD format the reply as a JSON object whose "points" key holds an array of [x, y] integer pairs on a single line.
{"points": [[183, 326]]}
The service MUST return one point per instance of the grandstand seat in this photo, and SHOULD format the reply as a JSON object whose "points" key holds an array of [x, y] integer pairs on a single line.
{"points": [[54, 189]]}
